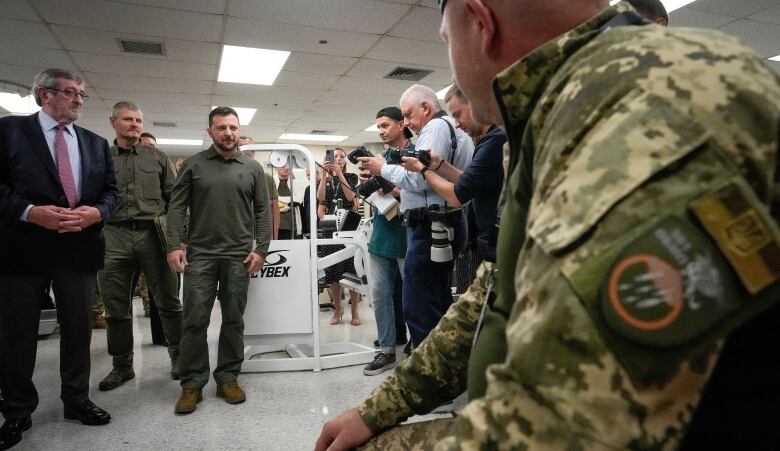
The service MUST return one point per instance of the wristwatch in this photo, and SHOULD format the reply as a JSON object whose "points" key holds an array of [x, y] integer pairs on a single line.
{"points": [[423, 171]]}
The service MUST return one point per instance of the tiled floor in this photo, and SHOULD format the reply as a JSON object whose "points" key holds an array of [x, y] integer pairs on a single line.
{"points": [[284, 411]]}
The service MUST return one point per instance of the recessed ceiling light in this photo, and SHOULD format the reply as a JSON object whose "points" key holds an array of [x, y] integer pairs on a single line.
{"points": [[775, 58], [670, 5], [440, 94], [180, 142], [245, 115], [16, 104], [309, 137], [250, 65], [371, 128]]}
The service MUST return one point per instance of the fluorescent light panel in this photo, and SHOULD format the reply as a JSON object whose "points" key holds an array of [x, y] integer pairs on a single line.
{"points": [[16, 104], [775, 58], [670, 5], [250, 65], [308, 137], [180, 142], [245, 115], [371, 128]]}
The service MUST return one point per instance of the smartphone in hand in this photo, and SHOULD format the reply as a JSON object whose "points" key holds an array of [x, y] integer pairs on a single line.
{"points": [[329, 155]]}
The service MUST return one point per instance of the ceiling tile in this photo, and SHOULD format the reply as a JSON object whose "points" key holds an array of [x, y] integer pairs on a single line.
{"points": [[18, 9], [771, 15], [296, 38], [761, 37], [733, 8], [398, 50], [33, 34], [107, 43], [305, 80], [421, 24], [264, 97], [128, 18], [689, 17], [139, 97], [367, 68], [367, 16], [371, 86], [90, 62], [141, 83], [22, 56], [201, 6], [319, 64]]}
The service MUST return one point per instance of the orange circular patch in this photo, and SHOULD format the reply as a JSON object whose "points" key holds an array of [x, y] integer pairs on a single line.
{"points": [[665, 278]]}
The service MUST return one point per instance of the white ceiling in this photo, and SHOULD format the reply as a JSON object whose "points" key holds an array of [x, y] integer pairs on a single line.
{"points": [[337, 86]]}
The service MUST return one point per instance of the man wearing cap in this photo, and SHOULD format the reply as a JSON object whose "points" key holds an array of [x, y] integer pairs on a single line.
{"points": [[427, 288], [386, 250], [636, 296]]}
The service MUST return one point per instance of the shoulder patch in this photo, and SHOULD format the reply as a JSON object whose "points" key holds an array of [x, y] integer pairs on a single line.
{"points": [[744, 232], [667, 286]]}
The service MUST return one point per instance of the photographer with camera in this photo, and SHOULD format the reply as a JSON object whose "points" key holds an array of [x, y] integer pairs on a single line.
{"points": [[387, 250], [480, 183], [435, 232], [337, 188]]}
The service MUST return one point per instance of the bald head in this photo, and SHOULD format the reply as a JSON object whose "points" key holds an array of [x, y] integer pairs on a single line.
{"points": [[485, 37]]}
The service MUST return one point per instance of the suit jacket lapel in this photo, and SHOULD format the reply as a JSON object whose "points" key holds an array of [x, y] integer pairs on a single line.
{"points": [[86, 157], [34, 133]]}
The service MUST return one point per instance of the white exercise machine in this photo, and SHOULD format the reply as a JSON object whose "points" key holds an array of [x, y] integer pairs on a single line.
{"points": [[282, 312]]}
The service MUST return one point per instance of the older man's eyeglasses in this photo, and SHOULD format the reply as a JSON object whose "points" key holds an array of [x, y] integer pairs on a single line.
{"points": [[71, 93]]}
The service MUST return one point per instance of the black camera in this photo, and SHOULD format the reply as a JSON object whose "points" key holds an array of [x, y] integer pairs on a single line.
{"points": [[394, 155], [360, 151], [368, 187]]}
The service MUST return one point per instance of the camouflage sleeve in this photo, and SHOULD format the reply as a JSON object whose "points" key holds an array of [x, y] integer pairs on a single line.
{"points": [[436, 371], [597, 356]]}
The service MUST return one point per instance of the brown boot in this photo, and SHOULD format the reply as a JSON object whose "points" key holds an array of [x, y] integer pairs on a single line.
{"points": [[188, 401], [98, 322], [232, 393]]}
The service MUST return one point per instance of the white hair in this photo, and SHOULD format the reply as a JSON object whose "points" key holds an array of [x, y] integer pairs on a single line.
{"points": [[417, 94]]}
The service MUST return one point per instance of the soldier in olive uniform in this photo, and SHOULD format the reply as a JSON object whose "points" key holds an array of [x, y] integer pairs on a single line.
{"points": [[145, 177], [227, 196], [638, 247]]}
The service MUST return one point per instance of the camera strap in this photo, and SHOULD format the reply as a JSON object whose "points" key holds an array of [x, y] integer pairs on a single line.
{"points": [[453, 140]]}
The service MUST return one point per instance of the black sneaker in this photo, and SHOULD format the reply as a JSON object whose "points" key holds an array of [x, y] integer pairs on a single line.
{"points": [[382, 362], [408, 348]]}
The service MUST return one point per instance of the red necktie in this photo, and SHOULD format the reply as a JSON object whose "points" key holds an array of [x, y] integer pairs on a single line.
{"points": [[63, 166]]}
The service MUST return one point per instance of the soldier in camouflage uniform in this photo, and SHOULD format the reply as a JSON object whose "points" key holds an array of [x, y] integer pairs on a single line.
{"points": [[638, 244]]}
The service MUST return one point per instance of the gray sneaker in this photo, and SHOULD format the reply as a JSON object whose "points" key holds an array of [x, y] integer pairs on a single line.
{"points": [[382, 362]]}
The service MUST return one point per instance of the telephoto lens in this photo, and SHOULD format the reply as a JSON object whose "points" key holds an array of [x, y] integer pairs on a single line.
{"points": [[441, 236]]}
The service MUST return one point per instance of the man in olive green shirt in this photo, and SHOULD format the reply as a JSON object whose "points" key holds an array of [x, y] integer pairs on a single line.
{"points": [[227, 197], [145, 177]]}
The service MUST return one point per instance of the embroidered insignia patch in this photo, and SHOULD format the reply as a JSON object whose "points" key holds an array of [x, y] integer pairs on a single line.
{"points": [[668, 285]]}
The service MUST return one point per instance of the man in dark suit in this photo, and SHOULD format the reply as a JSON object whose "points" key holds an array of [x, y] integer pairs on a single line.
{"points": [[57, 188]]}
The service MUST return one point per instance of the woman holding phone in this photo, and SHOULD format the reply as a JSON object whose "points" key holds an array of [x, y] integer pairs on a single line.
{"points": [[338, 184]]}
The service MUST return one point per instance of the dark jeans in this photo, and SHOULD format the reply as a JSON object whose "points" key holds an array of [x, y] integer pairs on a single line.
{"points": [[19, 321], [426, 292], [398, 306]]}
